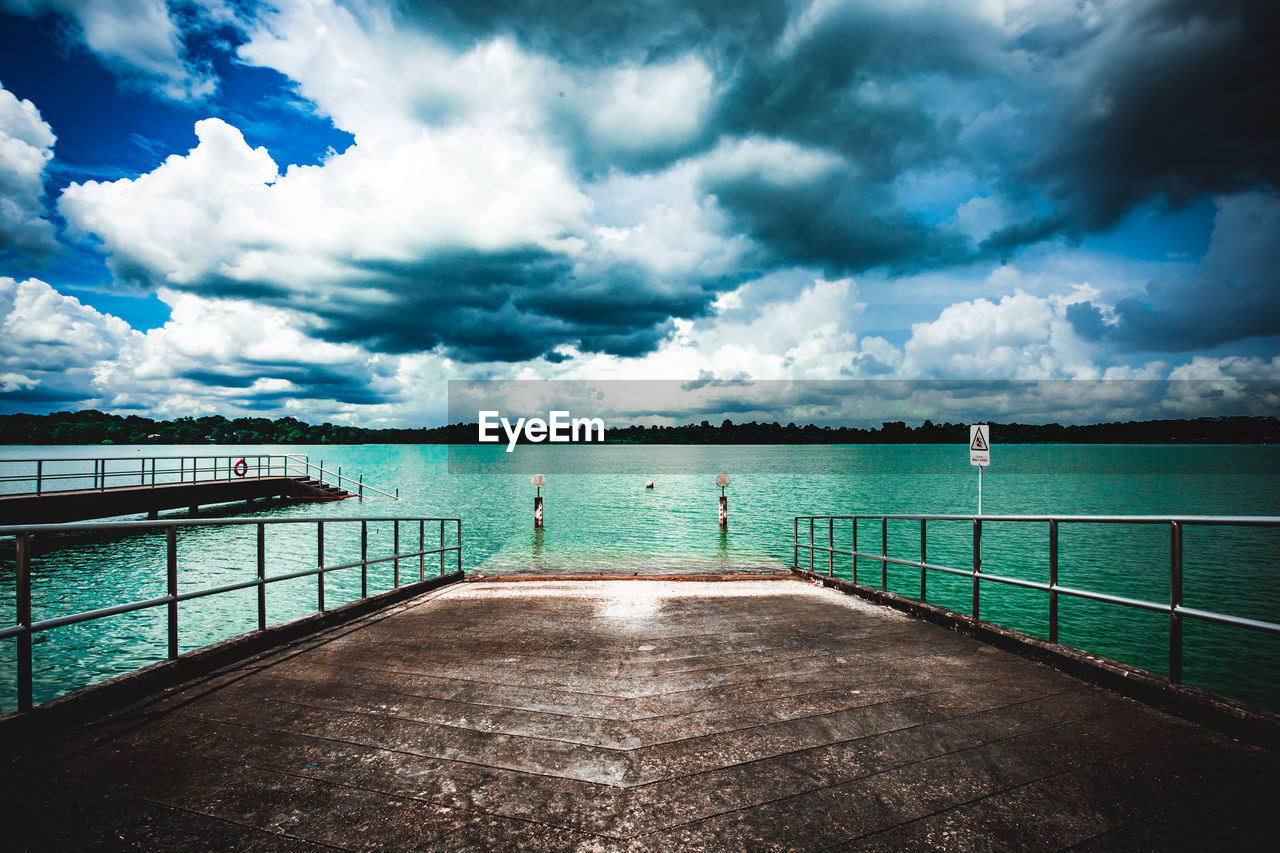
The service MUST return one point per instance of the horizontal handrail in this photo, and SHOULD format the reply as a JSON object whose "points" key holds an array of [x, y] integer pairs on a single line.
{"points": [[1173, 608], [1213, 520], [26, 627]]}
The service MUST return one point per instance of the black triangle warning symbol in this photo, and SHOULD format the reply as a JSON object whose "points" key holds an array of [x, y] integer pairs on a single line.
{"points": [[979, 443]]}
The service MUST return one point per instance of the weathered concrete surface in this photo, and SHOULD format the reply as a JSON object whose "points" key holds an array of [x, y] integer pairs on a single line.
{"points": [[640, 715]]}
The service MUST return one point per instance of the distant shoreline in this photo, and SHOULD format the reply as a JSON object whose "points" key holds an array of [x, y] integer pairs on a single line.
{"points": [[93, 427]]}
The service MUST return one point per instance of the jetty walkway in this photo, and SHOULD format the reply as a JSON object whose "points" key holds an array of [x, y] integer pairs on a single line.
{"points": [[53, 490], [638, 715]]}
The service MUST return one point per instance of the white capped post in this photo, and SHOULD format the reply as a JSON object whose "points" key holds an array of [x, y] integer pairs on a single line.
{"points": [[722, 480], [980, 453], [538, 481]]}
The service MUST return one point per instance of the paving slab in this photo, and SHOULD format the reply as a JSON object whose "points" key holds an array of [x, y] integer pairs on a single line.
{"points": [[637, 715]]}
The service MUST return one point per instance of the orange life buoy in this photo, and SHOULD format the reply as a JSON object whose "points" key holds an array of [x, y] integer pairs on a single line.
{"points": [[241, 467]]}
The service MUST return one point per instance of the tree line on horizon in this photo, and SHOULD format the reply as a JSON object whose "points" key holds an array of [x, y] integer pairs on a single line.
{"points": [[95, 427]]}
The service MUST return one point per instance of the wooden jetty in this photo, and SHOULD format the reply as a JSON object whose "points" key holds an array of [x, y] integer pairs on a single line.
{"points": [[638, 715], [78, 504]]}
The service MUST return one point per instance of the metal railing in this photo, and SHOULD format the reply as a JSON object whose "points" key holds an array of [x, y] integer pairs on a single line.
{"points": [[26, 627], [1173, 608], [358, 484], [52, 475]]}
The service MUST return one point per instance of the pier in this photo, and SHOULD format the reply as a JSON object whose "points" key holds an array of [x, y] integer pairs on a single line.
{"points": [[42, 491], [791, 711], [697, 714]]}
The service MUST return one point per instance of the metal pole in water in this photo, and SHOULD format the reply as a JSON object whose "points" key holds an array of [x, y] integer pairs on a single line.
{"points": [[722, 480], [538, 481]]}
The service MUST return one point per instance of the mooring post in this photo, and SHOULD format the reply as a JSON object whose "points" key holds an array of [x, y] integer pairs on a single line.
{"points": [[722, 480], [361, 484], [538, 482]]}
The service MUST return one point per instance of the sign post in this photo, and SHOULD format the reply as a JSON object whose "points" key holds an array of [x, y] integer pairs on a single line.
{"points": [[980, 453]]}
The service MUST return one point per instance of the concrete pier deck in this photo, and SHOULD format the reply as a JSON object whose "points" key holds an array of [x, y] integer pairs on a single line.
{"points": [[639, 715]]}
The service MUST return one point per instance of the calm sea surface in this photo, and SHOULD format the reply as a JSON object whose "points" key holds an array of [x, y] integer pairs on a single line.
{"points": [[610, 522]]}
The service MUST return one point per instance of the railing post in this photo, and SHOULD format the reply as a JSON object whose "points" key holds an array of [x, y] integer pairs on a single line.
{"points": [[364, 559], [441, 548], [320, 563], [795, 541], [1053, 581], [884, 552], [1175, 601], [459, 523], [361, 485], [422, 550], [22, 553], [172, 565], [395, 549], [853, 569], [977, 562], [923, 560], [262, 576], [810, 544], [831, 545], [142, 472], [39, 474]]}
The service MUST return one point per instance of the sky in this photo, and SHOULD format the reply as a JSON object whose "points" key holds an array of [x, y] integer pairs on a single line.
{"points": [[328, 209]]}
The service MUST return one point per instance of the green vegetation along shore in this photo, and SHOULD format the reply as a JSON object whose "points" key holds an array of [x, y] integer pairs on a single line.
{"points": [[94, 427]]}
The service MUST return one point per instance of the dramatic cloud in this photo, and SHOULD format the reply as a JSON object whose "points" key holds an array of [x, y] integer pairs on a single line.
{"points": [[1159, 100], [137, 38], [26, 146], [1231, 296], [50, 344], [892, 189]]}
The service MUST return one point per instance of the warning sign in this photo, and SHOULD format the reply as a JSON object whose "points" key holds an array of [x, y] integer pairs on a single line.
{"points": [[980, 444]]}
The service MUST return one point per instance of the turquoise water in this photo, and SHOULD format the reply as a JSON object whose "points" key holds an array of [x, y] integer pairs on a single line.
{"points": [[610, 522]]}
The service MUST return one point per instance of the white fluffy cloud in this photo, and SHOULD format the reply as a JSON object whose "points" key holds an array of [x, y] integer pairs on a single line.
{"points": [[223, 210], [51, 344], [136, 38], [26, 146]]}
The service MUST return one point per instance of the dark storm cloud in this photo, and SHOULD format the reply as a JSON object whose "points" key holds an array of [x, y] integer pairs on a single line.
{"points": [[1164, 101], [513, 307], [1178, 100], [588, 33], [1229, 297], [312, 382], [841, 87], [844, 225]]}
